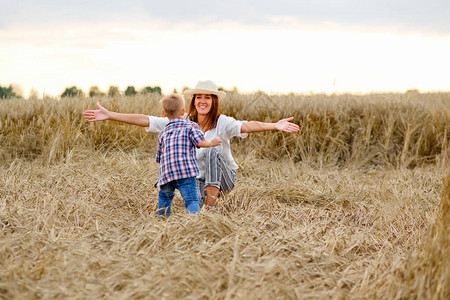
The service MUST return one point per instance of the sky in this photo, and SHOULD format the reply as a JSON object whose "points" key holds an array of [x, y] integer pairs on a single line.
{"points": [[301, 46]]}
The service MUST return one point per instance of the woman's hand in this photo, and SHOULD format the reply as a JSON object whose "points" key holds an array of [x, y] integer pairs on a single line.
{"points": [[101, 114], [285, 125]]}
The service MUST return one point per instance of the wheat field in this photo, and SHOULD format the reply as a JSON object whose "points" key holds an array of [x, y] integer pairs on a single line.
{"points": [[354, 206]]}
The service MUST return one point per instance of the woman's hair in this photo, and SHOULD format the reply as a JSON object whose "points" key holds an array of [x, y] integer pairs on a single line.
{"points": [[172, 104], [212, 116]]}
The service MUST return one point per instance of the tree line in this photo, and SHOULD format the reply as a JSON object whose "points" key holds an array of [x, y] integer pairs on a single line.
{"points": [[94, 91], [112, 91], [7, 92]]}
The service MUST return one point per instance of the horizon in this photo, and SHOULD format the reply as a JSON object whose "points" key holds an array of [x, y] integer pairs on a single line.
{"points": [[235, 89]]}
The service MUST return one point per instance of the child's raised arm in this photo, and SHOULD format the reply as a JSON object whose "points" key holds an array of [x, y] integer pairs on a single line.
{"points": [[212, 143], [102, 114]]}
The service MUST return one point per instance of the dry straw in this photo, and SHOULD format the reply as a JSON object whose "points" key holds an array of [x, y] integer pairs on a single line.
{"points": [[385, 130], [352, 207]]}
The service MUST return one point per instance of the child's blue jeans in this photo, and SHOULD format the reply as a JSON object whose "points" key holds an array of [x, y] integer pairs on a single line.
{"points": [[188, 190]]}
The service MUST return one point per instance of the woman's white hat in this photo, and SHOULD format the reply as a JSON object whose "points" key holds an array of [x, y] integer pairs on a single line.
{"points": [[204, 87]]}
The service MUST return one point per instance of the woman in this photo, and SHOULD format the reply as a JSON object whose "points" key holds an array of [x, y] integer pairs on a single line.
{"points": [[217, 166]]}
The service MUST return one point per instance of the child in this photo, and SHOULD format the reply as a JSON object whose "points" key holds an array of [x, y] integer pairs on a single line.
{"points": [[176, 155]]}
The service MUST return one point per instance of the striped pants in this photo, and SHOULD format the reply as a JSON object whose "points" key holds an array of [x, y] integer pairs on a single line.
{"points": [[217, 173]]}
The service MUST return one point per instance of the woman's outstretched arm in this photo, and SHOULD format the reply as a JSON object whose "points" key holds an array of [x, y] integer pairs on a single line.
{"points": [[102, 114], [282, 125]]}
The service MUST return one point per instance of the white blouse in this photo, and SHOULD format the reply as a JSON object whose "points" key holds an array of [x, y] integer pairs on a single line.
{"points": [[227, 127]]}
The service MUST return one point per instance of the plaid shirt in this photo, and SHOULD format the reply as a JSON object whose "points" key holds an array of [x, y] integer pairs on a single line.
{"points": [[176, 152]]}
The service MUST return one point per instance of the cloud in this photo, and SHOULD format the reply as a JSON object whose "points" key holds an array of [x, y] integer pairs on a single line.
{"points": [[341, 45], [412, 15]]}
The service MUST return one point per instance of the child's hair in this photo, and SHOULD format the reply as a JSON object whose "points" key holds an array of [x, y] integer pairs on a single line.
{"points": [[173, 105]]}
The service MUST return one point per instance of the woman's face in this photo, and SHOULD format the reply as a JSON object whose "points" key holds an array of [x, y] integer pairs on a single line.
{"points": [[203, 103]]}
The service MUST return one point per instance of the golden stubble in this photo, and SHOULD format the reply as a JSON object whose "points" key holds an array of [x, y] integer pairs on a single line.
{"points": [[314, 215]]}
